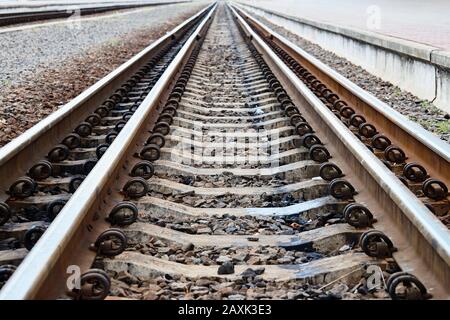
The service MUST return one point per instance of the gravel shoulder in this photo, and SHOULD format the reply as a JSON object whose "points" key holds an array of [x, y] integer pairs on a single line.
{"points": [[42, 69], [420, 111]]}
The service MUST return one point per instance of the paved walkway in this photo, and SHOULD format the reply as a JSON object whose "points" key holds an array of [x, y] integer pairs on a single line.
{"points": [[426, 22]]}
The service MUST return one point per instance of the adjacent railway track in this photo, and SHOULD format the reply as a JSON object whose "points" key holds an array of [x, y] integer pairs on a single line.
{"points": [[17, 16], [233, 165]]}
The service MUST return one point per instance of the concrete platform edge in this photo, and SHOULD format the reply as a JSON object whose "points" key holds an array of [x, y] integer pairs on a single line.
{"points": [[405, 63]]}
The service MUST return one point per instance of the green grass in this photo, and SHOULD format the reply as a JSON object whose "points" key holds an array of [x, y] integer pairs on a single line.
{"points": [[397, 91], [443, 126], [425, 103], [427, 124], [5, 83], [114, 42]]}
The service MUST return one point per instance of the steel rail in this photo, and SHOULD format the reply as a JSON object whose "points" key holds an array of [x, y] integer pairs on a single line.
{"points": [[420, 145], [21, 153], [77, 225], [423, 242]]}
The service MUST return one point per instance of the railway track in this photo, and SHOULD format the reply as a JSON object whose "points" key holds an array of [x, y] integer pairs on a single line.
{"points": [[45, 166], [17, 16], [220, 174]]}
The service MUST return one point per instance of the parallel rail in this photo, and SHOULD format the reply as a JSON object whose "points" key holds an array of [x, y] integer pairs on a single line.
{"points": [[421, 240]]}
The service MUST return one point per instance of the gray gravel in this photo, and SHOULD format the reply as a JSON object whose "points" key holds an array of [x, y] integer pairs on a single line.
{"points": [[249, 286], [61, 72], [28, 51], [212, 255], [421, 111]]}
